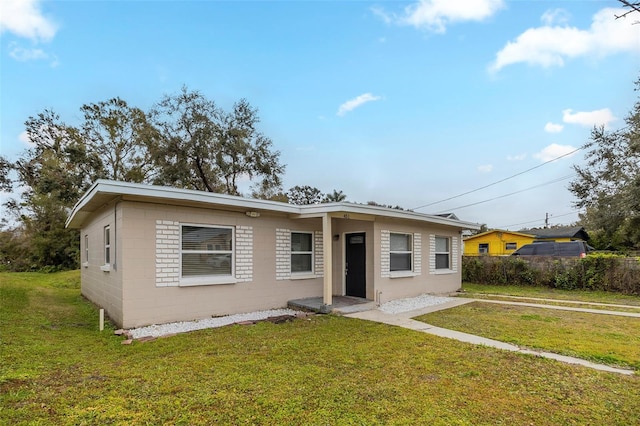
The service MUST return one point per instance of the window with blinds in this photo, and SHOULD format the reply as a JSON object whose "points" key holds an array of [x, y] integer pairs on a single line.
{"points": [[301, 252], [400, 252], [206, 251], [443, 253]]}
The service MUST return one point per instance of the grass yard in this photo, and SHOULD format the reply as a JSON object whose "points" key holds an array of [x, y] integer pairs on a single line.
{"points": [[544, 301], [473, 290], [604, 339], [57, 368]]}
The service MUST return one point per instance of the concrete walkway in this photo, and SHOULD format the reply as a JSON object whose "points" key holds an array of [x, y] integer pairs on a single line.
{"points": [[564, 308], [405, 320]]}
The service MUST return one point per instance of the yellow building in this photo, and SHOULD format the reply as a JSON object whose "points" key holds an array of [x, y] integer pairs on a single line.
{"points": [[496, 242]]}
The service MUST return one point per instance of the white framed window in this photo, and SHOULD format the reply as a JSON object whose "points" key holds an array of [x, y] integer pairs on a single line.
{"points": [[400, 252], [206, 252], [107, 245], [301, 252], [511, 246], [85, 262], [106, 240], [443, 253], [483, 248]]}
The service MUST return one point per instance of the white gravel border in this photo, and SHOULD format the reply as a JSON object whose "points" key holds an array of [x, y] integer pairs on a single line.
{"points": [[405, 305], [392, 307], [185, 326]]}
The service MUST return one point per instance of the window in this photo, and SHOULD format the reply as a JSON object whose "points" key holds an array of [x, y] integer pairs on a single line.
{"points": [[301, 252], [511, 246], [483, 248], [107, 245], [442, 253], [400, 252], [206, 251]]}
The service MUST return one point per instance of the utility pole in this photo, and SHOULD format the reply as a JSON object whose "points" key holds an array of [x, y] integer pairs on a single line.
{"points": [[546, 221]]}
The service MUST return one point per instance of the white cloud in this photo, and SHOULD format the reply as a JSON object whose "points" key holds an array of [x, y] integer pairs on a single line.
{"points": [[554, 151], [552, 44], [380, 13], [354, 103], [24, 138], [485, 168], [24, 19], [22, 54], [518, 157], [435, 15], [600, 117], [553, 128], [555, 16]]}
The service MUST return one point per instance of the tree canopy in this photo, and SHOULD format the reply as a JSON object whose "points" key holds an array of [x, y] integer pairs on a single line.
{"points": [[608, 185], [200, 146], [302, 195], [184, 141]]}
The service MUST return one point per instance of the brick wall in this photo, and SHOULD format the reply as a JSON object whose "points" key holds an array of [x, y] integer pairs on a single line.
{"points": [[167, 253], [244, 253]]}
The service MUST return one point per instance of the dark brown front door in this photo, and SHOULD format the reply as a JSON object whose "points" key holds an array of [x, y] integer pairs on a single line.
{"points": [[356, 267]]}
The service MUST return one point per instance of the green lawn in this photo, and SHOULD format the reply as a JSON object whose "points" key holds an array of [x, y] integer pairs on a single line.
{"points": [[550, 293], [600, 338], [57, 368]]}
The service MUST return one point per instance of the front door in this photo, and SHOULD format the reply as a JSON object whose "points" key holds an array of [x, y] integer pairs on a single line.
{"points": [[355, 265]]}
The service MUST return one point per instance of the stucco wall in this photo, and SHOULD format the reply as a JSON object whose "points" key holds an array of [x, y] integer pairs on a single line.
{"points": [[101, 287], [390, 286], [148, 299], [146, 250]]}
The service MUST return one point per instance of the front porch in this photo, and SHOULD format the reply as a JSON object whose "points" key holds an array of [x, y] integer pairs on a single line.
{"points": [[340, 305]]}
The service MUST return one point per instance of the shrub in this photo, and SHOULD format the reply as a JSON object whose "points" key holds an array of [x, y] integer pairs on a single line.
{"points": [[607, 272]]}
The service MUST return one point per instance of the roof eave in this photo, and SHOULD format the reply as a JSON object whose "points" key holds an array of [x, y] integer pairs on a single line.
{"points": [[115, 188]]}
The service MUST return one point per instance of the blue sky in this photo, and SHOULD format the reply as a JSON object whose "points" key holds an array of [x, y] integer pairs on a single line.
{"points": [[405, 103]]}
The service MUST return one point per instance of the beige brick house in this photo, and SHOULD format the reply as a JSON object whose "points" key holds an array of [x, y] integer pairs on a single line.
{"points": [[152, 254]]}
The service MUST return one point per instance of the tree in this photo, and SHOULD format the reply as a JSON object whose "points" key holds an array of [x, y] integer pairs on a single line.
{"points": [[119, 135], [186, 141], [5, 168], [387, 206], [304, 195], [245, 152], [58, 163], [335, 197], [608, 186], [60, 166], [203, 147], [632, 6], [52, 174]]}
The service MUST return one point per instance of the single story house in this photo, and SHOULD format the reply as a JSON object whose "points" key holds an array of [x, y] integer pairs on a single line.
{"points": [[496, 242], [152, 254]]}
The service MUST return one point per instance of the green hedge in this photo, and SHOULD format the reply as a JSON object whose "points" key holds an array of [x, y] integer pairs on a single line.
{"points": [[595, 272]]}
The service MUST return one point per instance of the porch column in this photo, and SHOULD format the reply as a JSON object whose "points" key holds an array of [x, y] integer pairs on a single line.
{"points": [[327, 242]]}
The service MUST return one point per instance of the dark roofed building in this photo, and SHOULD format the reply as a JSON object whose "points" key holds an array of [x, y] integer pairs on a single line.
{"points": [[561, 233]]}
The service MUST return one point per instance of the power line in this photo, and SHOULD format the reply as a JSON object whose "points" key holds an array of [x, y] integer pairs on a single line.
{"points": [[507, 195], [538, 220], [500, 181]]}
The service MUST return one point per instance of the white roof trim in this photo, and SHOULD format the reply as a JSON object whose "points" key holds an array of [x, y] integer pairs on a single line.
{"points": [[168, 193]]}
